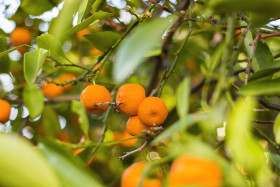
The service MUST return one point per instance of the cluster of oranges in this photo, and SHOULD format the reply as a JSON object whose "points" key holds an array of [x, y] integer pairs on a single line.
{"points": [[186, 170], [145, 112], [51, 90], [5, 110]]}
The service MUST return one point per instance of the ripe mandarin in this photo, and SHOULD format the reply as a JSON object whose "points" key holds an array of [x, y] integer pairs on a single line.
{"points": [[132, 176], [80, 34], [135, 127], [51, 90], [191, 170], [131, 95], [125, 135], [94, 94], [5, 110], [152, 111], [20, 36]]}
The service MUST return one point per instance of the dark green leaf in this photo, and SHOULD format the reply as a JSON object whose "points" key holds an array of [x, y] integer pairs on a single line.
{"points": [[103, 40], [34, 100], [261, 87], [263, 54], [78, 108], [133, 49], [70, 169], [267, 70], [50, 121], [4, 60], [32, 64], [96, 17], [22, 165], [257, 6], [37, 7]]}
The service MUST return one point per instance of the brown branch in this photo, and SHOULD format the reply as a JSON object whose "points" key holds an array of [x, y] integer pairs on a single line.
{"points": [[269, 105], [270, 35], [126, 154], [263, 122], [63, 98]]}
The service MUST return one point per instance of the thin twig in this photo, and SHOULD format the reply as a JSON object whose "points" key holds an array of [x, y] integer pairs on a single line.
{"points": [[154, 91], [63, 98], [174, 63], [264, 122], [269, 105], [126, 154], [254, 43]]}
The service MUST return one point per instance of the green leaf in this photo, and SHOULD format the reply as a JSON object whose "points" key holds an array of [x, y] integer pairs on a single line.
{"points": [[78, 108], [267, 70], [32, 64], [103, 40], [22, 165], [50, 121], [34, 100], [37, 7], [245, 150], [83, 9], [4, 60], [276, 129], [64, 20], [261, 87], [96, 17], [70, 169], [134, 47], [263, 54], [182, 97], [97, 5], [257, 6], [50, 43]]}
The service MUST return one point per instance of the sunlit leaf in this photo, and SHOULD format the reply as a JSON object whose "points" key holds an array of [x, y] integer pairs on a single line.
{"points": [[96, 17], [34, 100], [276, 129], [37, 7], [50, 121], [261, 87], [133, 49], [78, 108], [32, 64], [22, 165], [70, 169], [182, 97]]}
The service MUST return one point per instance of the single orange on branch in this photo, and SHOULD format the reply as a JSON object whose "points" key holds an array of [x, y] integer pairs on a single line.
{"points": [[152, 111], [51, 90], [95, 98], [132, 175], [19, 37], [195, 171], [130, 95], [5, 111]]}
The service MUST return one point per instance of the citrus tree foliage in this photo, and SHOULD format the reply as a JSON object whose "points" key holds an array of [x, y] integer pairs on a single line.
{"points": [[215, 63]]}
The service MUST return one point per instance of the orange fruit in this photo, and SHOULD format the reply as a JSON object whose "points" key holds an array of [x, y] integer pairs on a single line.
{"points": [[152, 111], [80, 34], [5, 111], [20, 36], [135, 127], [131, 95], [125, 135], [132, 176], [94, 94], [191, 170], [67, 77], [51, 90], [238, 34]]}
